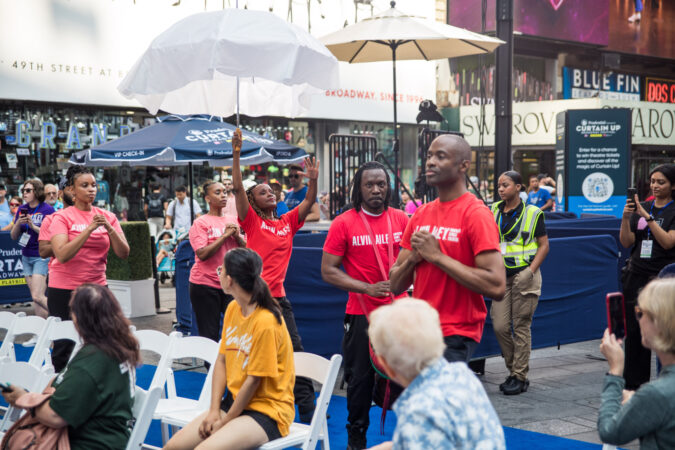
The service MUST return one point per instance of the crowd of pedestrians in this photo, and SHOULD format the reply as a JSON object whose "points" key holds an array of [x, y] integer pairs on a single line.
{"points": [[449, 254]]}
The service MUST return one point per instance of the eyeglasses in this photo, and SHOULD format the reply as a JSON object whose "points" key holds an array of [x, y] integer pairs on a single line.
{"points": [[297, 175], [26, 190], [14, 204], [639, 312], [219, 270], [51, 193]]}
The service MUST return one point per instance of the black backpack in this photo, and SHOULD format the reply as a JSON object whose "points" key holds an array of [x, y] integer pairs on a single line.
{"points": [[155, 205]]}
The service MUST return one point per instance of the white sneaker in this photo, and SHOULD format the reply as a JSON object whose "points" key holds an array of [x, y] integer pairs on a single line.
{"points": [[635, 17], [30, 342]]}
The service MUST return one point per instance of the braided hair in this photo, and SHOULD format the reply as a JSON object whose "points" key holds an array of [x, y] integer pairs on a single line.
{"points": [[254, 205]]}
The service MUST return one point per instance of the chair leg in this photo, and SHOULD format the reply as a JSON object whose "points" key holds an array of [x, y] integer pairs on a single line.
{"points": [[165, 433], [325, 445]]}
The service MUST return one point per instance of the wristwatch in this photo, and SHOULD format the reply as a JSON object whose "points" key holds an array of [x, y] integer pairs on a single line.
{"points": [[650, 219]]}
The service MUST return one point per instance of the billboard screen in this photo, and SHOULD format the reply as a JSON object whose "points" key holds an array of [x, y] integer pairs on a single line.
{"points": [[599, 22]]}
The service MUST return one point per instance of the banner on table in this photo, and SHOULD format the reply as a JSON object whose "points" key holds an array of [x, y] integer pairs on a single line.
{"points": [[13, 287]]}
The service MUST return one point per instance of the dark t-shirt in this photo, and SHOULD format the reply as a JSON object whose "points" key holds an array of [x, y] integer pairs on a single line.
{"points": [[510, 232], [93, 395], [661, 257]]}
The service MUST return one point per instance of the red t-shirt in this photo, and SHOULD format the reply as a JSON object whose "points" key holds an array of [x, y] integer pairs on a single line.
{"points": [[273, 241], [349, 238], [464, 228], [89, 263], [204, 231]]}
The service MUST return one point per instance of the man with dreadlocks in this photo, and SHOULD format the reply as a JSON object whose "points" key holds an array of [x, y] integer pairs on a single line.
{"points": [[365, 241], [272, 238]]}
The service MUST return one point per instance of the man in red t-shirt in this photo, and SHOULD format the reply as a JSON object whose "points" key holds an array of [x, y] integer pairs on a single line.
{"points": [[451, 250], [350, 244]]}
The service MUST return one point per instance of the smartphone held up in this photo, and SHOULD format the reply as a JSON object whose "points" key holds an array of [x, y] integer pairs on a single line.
{"points": [[616, 314]]}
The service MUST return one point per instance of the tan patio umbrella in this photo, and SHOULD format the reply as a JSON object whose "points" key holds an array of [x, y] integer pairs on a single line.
{"points": [[392, 36]]}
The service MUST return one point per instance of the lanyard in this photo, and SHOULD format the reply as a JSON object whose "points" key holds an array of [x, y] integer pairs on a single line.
{"points": [[390, 252], [651, 210], [501, 233]]}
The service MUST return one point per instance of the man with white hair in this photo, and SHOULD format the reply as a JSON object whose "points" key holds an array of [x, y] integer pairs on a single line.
{"points": [[443, 404]]}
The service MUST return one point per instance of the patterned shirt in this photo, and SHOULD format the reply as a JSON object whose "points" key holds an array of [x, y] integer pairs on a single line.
{"points": [[446, 407]]}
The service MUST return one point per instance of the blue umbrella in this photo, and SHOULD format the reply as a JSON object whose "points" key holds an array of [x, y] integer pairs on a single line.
{"points": [[181, 140]]}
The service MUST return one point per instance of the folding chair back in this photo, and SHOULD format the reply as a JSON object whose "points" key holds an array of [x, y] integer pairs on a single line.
{"points": [[28, 377], [144, 406], [195, 347], [55, 330], [322, 371], [22, 325], [7, 319], [159, 343]]}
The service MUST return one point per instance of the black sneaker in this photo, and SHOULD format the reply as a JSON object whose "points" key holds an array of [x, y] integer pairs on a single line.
{"points": [[516, 387], [507, 381], [356, 439]]}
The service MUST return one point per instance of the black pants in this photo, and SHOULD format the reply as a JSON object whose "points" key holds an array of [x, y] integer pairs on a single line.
{"points": [[304, 389], [459, 348], [209, 304], [58, 303], [358, 373], [638, 359]]}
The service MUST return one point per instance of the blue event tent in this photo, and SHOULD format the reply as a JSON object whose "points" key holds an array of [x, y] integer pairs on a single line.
{"points": [[182, 140]]}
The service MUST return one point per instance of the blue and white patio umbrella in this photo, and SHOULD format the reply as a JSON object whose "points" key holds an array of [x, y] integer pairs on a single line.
{"points": [[182, 140]]}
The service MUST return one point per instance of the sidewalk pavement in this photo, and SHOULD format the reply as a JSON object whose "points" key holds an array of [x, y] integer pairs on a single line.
{"points": [[562, 400]]}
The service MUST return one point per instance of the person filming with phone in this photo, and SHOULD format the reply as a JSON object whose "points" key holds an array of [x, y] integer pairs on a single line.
{"points": [[649, 229], [648, 413]]}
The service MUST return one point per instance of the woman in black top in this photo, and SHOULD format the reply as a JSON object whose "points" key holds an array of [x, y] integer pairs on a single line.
{"points": [[649, 228]]}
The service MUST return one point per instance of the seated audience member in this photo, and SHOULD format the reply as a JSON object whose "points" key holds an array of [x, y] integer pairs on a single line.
{"points": [[443, 405], [166, 246], [255, 365], [92, 395], [647, 414]]}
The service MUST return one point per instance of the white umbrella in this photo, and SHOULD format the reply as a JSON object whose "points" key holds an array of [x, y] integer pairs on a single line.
{"points": [[224, 62], [392, 36]]}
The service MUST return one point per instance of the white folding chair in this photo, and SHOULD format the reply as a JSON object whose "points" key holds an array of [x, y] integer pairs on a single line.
{"points": [[608, 447], [7, 319], [144, 405], [22, 325], [174, 410], [160, 344], [26, 376], [56, 329], [322, 371]]}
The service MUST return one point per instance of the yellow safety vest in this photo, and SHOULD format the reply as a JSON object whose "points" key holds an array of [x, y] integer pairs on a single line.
{"points": [[520, 251]]}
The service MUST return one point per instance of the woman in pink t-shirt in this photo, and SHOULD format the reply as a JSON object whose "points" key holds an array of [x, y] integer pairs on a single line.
{"points": [[80, 237], [211, 236]]}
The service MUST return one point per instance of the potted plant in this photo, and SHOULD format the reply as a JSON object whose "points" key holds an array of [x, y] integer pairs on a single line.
{"points": [[131, 279]]}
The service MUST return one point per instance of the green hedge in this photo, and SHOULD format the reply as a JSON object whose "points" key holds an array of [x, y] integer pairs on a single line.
{"points": [[139, 264]]}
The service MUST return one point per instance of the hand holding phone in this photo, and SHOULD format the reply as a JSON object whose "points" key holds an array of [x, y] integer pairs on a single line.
{"points": [[631, 193], [616, 314]]}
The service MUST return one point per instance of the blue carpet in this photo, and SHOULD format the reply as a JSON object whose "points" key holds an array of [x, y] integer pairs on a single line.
{"points": [[188, 384]]}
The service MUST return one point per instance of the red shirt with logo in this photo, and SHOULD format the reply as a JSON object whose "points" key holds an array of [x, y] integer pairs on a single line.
{"points": [[464, 228], [349, 238], [273, 241]]}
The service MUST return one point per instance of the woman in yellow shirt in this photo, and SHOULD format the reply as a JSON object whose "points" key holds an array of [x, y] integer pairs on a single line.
{"points": [[255, 364]]}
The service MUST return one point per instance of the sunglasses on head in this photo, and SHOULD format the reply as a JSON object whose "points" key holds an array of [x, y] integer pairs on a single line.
{"points": [[27, 190]]}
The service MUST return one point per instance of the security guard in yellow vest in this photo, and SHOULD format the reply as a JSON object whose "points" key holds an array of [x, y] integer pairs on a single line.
{"points": [[524, 245]]}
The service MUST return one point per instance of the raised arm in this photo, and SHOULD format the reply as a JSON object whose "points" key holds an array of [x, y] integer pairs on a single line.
{"points": [[311, 172], [240, 198]]}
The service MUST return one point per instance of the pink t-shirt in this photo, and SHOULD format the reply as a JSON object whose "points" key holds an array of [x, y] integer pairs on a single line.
{"points": [[204, 231], [89, 263]]}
